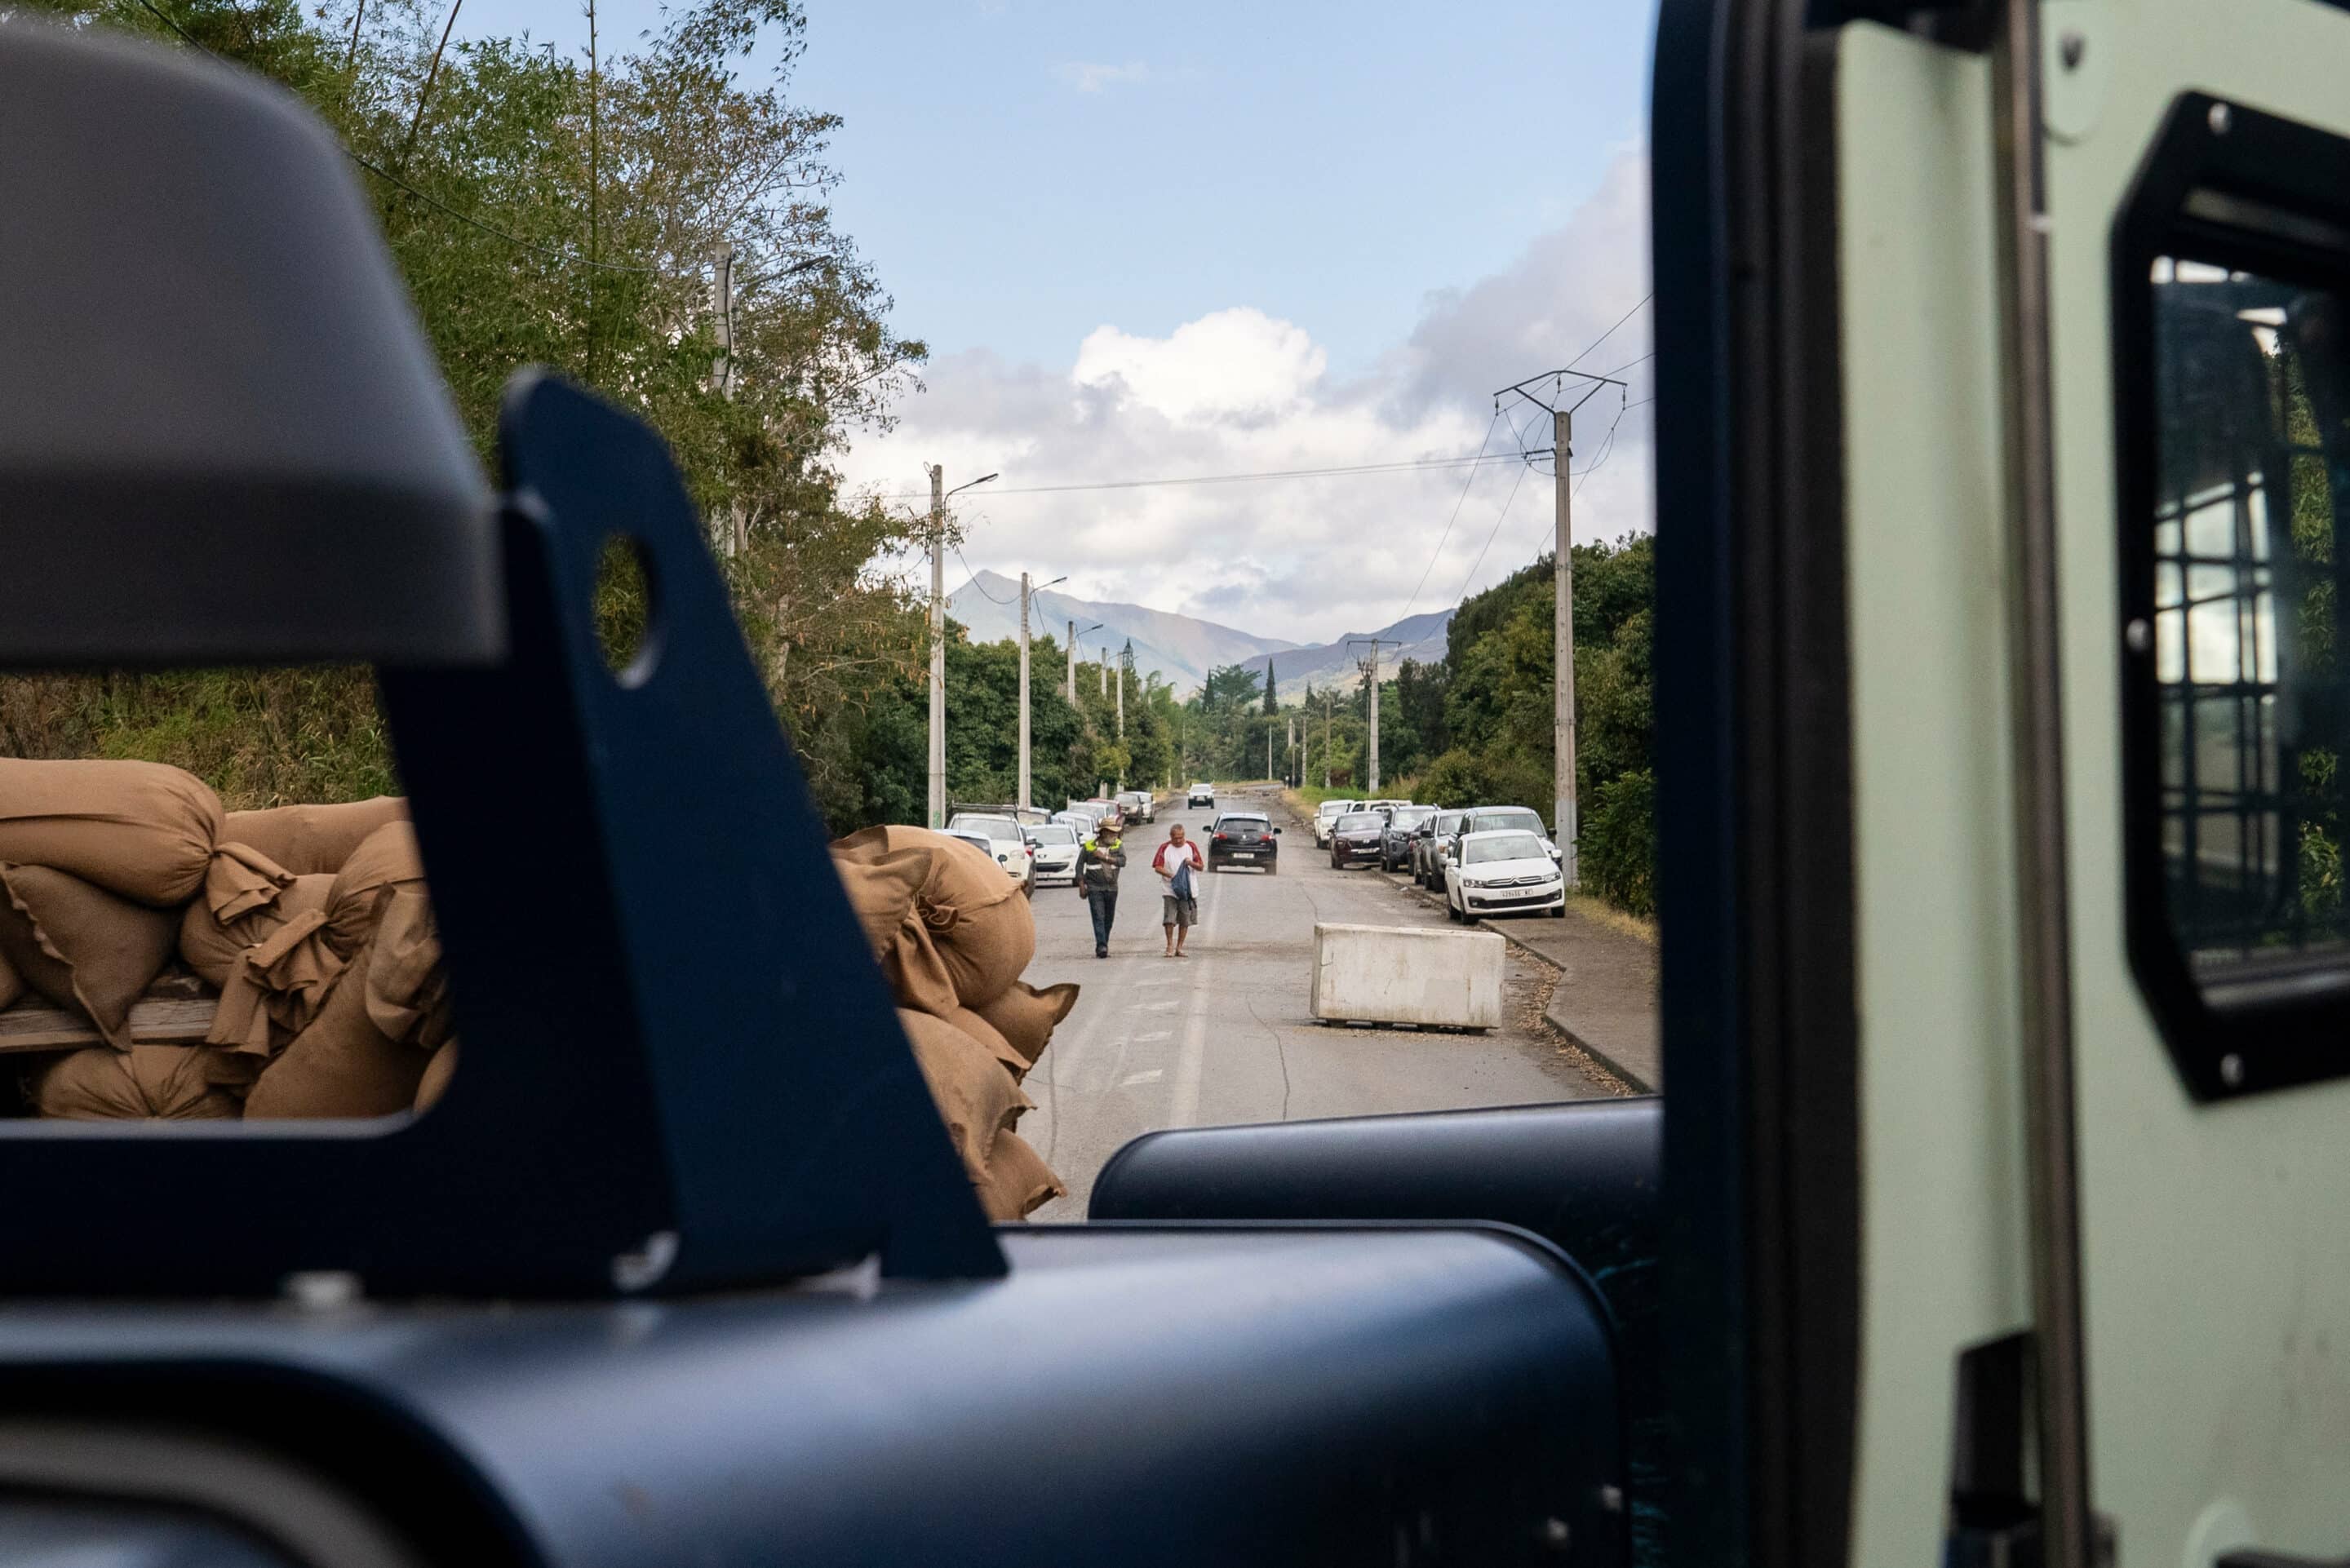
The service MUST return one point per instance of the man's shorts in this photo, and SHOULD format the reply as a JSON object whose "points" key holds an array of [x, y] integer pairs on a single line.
{"points": [[1175, 911]]}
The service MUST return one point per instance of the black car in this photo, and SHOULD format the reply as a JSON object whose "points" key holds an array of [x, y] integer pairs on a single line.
{"points": [[1242, 839], [1357, 838], [1403, 824]]}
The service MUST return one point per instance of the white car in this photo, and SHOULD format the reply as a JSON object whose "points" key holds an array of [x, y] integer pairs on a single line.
{"points": [[1328, 812], [1053, 850], [1006, 843], [1138, 806], [1202, 794], [1502, 871]]}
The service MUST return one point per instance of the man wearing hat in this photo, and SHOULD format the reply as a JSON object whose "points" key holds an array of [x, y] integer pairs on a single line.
{"points": [[1099, 860]]}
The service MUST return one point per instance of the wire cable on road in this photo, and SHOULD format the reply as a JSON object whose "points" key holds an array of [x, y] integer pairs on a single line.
{"points": [[1441, 538]]}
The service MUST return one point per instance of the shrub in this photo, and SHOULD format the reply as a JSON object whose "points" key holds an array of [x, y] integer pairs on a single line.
{"points": [[1618, 850]]}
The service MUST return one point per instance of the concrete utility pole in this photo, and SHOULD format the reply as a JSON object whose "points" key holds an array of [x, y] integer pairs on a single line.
{"points": [[1023, 690], [1073, 664], [1562, 414], [1027, 593], [1562, 652], [1329, 706], [936, 816], [1371, 674]]}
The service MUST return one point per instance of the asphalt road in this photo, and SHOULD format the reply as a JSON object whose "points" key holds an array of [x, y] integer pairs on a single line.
{"points": [[1227, 1035]]}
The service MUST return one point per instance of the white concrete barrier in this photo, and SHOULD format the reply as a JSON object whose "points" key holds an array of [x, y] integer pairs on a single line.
{"points": [[1408, 975]]}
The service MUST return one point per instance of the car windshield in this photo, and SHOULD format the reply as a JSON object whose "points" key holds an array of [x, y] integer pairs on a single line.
{"points": [[1053, 833], [1332, 808], [1411, 816], [1484, 821], [1446, 821], [1508, 846], [990, 826], [1358, 821]]}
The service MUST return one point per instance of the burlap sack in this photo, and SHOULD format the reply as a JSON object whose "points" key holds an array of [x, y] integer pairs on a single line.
{"points": [[1025, 1016], [171, 1081], [273, 966], [81, 947], [388, 857], [1018, 1181], [308, 841], [971, 930], [882, 893], [366, 1053], [987, 1034], [140, 829], [976, 1097], [438, 1068], [12, 984]]}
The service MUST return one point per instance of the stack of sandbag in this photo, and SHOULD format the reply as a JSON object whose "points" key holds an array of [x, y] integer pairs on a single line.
{"points": [[311, 923], [952, 935]]}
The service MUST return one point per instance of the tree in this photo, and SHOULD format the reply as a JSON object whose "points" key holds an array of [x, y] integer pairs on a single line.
{"points": [[1271, 701]]}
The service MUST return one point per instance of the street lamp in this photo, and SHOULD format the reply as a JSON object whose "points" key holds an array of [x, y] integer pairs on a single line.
{"points": [[1025, 591], [938, 790]]}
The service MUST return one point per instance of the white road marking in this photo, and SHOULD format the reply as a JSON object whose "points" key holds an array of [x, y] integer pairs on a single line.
{"points": [[1183, 1110], [1147, 1075]]}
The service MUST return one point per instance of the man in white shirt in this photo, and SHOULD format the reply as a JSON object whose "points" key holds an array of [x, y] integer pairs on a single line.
{"points": [[1177, 863]]}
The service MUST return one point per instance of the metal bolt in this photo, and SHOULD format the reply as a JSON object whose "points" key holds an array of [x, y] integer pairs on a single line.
{"points": [[2138, 636], [2217, 119], [1555, 1534], [2232, 1070], [2071, 46]]}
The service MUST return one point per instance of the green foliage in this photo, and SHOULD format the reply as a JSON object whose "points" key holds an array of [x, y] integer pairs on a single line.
{"points": [[1618, 843]]}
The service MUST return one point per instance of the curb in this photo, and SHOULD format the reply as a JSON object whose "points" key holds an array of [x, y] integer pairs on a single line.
{"points": [[1639, 1084]]}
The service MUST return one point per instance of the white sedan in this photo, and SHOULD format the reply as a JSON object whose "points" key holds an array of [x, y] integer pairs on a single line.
{"points": [[1202, 794], [1502, 871], [1008, 846], [1053, 850]]}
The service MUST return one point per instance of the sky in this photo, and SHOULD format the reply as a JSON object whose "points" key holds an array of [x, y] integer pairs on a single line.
{"points": [[1163, 242]]}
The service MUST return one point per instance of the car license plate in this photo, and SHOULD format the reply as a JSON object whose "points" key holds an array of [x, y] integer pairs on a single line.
{"points": [[1243, 854]]}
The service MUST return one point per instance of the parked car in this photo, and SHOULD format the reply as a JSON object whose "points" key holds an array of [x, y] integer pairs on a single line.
{"points": [[1395, 845], [1430, 848], [1383, 804], [1328, 812], [1503, 871], [1202, 794], [1006, 843], [1243, 837], [1490, 819], [1052, 853], [1355, 839], [1138, 806]]}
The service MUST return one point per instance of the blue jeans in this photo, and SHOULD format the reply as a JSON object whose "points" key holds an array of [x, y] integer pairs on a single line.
{"points": [[1105, 909]]}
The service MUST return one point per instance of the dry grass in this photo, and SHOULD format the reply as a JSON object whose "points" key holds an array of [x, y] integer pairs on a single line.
{"points": [[1606, 914]]}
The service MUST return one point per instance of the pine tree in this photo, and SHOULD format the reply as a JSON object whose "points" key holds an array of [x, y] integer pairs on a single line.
{"points": [[1272, 703]]}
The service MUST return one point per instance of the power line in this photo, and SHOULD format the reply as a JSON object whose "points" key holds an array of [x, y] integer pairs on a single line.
{"points": [[974, 579], [1605, 446], [1414, 465], [1628, 364], [1480, 561], [1463, 496], [1604, 336]]}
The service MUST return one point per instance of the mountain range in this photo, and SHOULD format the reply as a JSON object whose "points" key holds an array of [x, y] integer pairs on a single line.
{"points": [[1181, 648]]}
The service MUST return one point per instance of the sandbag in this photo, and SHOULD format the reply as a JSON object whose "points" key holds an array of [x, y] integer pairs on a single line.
{"points": [[1018, 1181], [142, 830], [882, 893], [273, 966], [175, 1082], [308, 841], [976, 1097], [439, 1069], [969, 930], [81, 947], [1025, 1016], [407, 992], [239, 880], [345, 1063], [388, 857], [987, 1034], [12, 984]]}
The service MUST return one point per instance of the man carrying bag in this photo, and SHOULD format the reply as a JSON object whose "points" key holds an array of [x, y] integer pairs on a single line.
{"points": [[1178, 862], [1099, 860]]}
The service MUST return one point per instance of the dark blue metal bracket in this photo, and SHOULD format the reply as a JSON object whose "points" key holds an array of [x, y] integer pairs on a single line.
{"points": [[679, 1066]]}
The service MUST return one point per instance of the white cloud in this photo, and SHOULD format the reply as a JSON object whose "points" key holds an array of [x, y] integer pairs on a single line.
{"points": [[1087, 75], [1236, 391]]}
